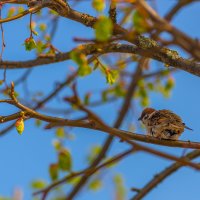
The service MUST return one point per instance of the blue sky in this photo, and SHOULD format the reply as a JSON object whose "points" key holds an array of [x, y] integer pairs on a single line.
{"points": [[26, 157]]}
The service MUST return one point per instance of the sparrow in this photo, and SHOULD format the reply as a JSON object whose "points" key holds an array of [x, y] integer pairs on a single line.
{"points": [[162, 124]]}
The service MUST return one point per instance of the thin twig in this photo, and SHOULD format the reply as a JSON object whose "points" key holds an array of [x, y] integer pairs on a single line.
{"points": [[3, 45]]}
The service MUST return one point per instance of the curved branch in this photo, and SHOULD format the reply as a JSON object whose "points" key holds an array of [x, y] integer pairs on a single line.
{"points": [[96, 126], [158, 178]]}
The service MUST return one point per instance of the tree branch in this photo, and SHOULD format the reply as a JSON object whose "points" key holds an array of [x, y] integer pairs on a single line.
{"points": [[164, 55], [158, 178]]}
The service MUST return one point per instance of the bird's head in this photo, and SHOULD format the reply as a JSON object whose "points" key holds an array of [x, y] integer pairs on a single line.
{"points": [[145, 114]]}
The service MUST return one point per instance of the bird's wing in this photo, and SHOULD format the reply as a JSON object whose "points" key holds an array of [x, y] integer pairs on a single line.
{"points": [[166, 117], [172, 119]]}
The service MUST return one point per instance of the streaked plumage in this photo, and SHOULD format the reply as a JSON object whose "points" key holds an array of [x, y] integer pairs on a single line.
{"points": [[163, 124]]}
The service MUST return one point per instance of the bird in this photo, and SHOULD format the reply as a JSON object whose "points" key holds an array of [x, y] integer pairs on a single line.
{"points": [[162, 124]]}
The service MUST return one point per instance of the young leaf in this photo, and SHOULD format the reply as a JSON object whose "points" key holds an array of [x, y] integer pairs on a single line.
{"points": [[11, 12], [103, 28], [64, 160], [81, 60], [20, 125], [84, 70], [170, 83], [57, 144], [20, 9], [42, 27], [120, 189], [53, 171], [111, 76], [98, 5], [40, 46], [60, 132], [95, 184], [38, 184], [30, 44], [145, 101], [93, 153]]}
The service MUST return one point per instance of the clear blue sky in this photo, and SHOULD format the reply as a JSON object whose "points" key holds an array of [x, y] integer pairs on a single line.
{"points": [[24, 158]]}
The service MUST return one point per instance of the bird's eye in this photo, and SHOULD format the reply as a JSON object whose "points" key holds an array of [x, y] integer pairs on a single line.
{"points": [[146, 116]]}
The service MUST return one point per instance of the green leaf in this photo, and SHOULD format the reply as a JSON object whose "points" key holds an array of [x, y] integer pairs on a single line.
{"points": [[20, 9], [98, 5], [53, 171], [119, 185], [40, 46], [150, 86], [170, 83], [64, 160], [95, 184], [42, 27], [57, 144], [38, 184], [165, 72], [145, 101], [60, 132], [103, 28], [81, 60], [84, 70], [30, 44], [111, 76], [143, 92], [16, 94], [75, 56], [95, 150]]}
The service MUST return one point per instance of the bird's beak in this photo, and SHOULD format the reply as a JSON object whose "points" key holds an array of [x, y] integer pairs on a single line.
{"points": [[139, 118]]}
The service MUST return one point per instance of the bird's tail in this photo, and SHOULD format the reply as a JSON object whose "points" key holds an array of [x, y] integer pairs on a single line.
{"points": [[188, 128]]}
